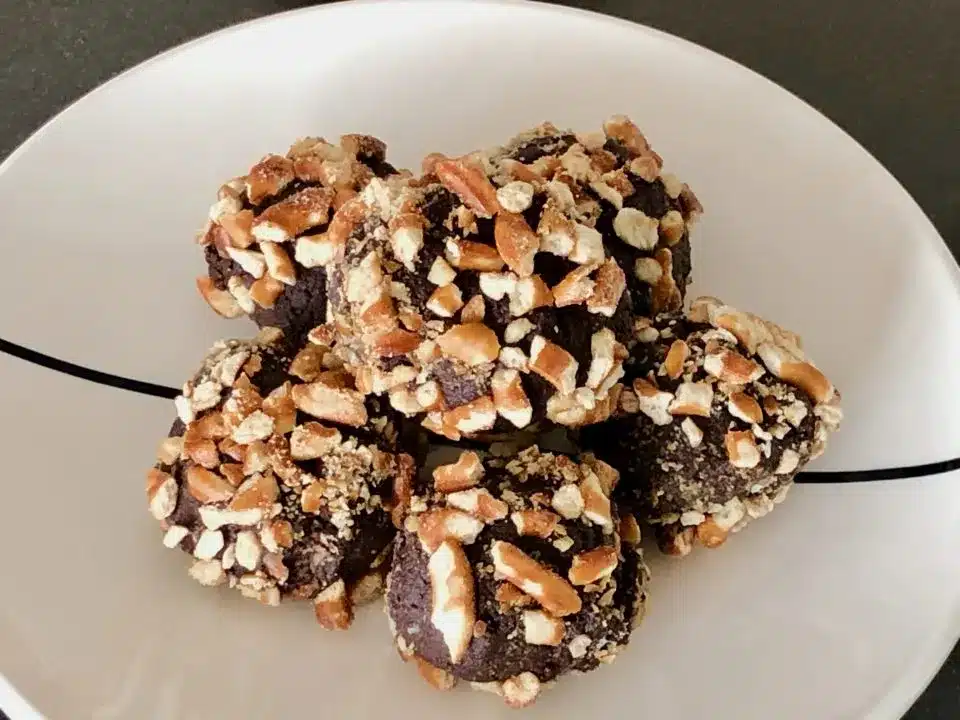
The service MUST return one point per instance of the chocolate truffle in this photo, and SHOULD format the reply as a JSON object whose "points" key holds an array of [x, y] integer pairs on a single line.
{"points": [[499, 289], [264, 240], [511, 572], [278, 478], [722, 410]]}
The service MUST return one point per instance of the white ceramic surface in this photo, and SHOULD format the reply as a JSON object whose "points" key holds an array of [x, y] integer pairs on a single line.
{"points": [[842, 605]]}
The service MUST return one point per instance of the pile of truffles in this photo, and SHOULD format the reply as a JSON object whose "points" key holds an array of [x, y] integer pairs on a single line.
{"points": [[494, 297]]}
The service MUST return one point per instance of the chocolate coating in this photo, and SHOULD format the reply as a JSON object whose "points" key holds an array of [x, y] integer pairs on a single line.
{"points": [[297, 310]]}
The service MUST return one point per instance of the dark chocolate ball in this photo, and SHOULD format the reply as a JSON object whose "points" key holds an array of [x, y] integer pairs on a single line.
{"points": [[278, 477], [264, 242], [511, 572], [497, 291], [722, 410]]}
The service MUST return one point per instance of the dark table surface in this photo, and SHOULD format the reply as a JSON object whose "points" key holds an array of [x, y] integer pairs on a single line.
{"points": [[887, 71]]}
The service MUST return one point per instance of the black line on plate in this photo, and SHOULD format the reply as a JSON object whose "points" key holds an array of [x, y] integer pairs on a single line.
{"points": [[161, 391], [851, 476], [85, 373]]}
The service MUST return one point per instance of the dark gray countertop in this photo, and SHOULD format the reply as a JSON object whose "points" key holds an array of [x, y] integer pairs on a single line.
{"points": [[887, 71]]}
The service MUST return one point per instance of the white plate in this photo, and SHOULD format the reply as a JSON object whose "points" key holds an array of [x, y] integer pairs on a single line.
{"points": [[840, 606]]}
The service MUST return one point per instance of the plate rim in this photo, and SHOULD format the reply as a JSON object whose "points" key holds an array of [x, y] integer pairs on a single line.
{"points": [[901, 695]]}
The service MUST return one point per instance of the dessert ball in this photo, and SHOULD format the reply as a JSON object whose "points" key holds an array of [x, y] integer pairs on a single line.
{"points": [[278, 478], [512, 572], [498, 290], [722, 410], [265, 236]]}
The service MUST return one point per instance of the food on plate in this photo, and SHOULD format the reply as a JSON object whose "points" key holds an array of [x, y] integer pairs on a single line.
{"points": [[511, 572], [265, 241], [500, 300], [722, 409], [278, 478], [497, 291]]}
